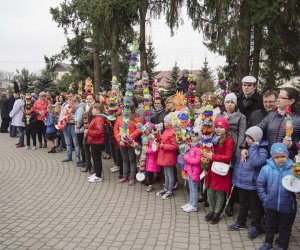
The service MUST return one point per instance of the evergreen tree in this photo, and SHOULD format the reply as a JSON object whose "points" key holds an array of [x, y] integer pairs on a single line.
{"points": [[25, 79], [45, 83], [205, 71], [172, 80], [151, 56]]}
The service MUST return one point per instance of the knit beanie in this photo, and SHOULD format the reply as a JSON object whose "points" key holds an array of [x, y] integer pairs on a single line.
{"points": [[168, 119], [231, 97], [278, 149], [255, 133], [221, 122]]}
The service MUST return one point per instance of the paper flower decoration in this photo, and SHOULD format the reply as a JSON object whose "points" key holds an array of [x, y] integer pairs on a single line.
{"points": [[80, 88], [88, 87], [112, 101], [288, 125], [147, 97]]}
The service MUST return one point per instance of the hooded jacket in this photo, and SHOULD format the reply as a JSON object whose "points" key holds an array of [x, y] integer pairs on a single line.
{"points": [[270, 190], [246, 173], [192, 161]]}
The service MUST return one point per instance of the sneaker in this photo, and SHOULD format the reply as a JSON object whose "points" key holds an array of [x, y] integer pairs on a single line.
{"points": [[253, 233], [115, 169], [20, 146], [161, 192], [95, 179], [167, 195], [266, 246], [66, 160], [92, 176], [27, 148], [123, 179], [185, 205], [150, 188], [190, 209], [33, 148], [236, 227]]}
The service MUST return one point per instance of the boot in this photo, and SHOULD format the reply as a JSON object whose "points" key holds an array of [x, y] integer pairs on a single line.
{"points": [[209, 216], [86, 168], [215, 219]]}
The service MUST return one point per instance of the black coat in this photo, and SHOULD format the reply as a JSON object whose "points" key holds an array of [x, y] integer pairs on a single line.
{"points": [[4, 108], [254, 102], [256, 117], [11, 101]]}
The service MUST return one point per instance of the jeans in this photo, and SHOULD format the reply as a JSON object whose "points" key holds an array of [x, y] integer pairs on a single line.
{"points": [[96, 154], [13, 130], [80, 144], [250, 199], [129, 161], [169, 178], [282, 221], [70, 135], [21, 132], [194, 193]]}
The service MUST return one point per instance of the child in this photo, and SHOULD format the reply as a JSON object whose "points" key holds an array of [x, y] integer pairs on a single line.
{"points": [[50, 128], [192, 167], [218, 185], [244, 178], [167, 157], [280, 204], [95, 137], [152, 154], [30, 122]]}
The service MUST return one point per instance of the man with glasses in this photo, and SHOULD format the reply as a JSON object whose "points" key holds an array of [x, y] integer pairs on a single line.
{"points": [[249, 100], [269, 102]]}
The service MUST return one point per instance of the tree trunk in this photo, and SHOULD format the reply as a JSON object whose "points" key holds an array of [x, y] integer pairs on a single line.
{"points": [[114, 55], [244, 37], [256, 50], [97, 70], [142, 40]]}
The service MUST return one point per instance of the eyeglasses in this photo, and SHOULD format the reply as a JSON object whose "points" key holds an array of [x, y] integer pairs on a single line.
{"points": [[284, 98], [266, 102]]}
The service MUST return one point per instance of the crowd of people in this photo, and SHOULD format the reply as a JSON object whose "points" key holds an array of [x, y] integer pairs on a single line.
{"points": [[249, 137]]}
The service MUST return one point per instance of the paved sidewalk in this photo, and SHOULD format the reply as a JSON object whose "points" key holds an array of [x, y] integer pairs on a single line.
{"points": [[47, 204]]}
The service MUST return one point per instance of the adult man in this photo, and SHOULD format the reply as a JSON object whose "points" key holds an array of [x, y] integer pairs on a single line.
{"points": [[4, 113], [69, 131], [269, 102], [249, 100], [17, 114]]}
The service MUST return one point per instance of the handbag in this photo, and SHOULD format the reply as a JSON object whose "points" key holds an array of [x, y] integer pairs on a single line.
{"points": [[220, 168]]}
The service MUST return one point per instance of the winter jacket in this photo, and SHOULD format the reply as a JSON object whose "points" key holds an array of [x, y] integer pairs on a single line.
{"points": [[167, 154], [95, 132], [151, 161], [78, 117], [134, 132], [245, 173], [192, 163], [50, 124], [237, 129], [159, 117], [256, 117], [270, 190], [17, 113], [221, 154], [253, 103], [4, 107], [41, 106], [273, 126]]}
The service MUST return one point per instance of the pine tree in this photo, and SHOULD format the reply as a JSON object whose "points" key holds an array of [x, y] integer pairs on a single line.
{"points": [[172, 80], [44, 83], [151, 57], [205, 71], [25, 79]]}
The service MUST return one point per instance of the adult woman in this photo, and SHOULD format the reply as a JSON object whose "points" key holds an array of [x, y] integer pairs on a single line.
{"points": [[273, 125]]}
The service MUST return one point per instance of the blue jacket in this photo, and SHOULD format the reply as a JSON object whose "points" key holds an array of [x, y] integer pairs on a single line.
{"points": [[78, 117], [50, 124], [245, 173], [270, 190]]}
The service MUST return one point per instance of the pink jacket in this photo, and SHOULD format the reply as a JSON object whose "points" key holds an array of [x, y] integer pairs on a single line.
{"points": [[151, 162], [192, 163], [167, 154]]}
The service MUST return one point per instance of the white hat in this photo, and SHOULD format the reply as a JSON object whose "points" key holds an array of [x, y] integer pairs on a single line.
{"points": [[255, 133], [249, 79], [231, 97]]}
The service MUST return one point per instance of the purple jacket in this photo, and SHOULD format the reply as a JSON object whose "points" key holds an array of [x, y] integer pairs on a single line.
{"points": [[192, 163], [151, 162]]}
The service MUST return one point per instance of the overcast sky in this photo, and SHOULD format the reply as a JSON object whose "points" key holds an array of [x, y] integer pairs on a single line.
{"points": [[28, 33]]}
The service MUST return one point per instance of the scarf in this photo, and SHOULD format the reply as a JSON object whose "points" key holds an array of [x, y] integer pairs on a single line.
{"points": [[155, 112], [227, 115], [215, 139]]}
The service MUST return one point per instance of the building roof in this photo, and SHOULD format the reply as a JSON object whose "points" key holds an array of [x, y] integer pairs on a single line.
{"points": [[62, 67], [163, 76]]}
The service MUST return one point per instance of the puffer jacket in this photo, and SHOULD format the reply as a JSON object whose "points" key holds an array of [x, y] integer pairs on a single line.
{"points": [[134, 132], [221, 154], [78, 117], [273, 126], [151, 162], [270, 190], [50, 124], [167, 155], [95, 132], [41, 106], [192, 163], [246, 173]]}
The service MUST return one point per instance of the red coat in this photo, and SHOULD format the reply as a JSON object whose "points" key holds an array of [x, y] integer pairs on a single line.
{"points": [[95, 132], [39, 106], [221, 154], [134, 132], [167, 155]]}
